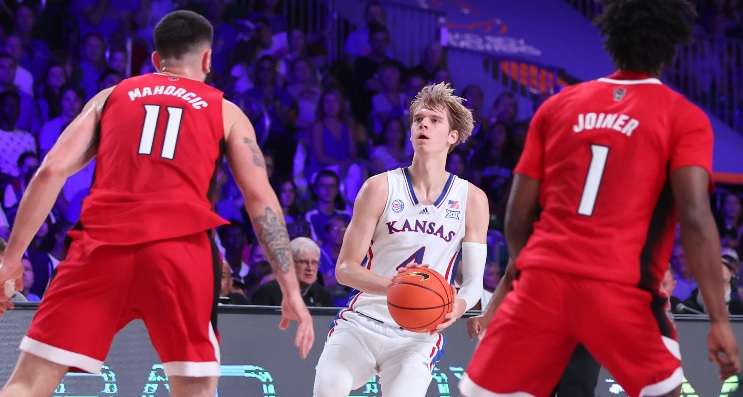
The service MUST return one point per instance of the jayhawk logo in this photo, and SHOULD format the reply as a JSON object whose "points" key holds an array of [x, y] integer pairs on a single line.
{"points": [[422, 275]]}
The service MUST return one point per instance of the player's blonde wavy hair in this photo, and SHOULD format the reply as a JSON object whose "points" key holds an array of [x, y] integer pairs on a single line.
{"points": [[441, 95]]}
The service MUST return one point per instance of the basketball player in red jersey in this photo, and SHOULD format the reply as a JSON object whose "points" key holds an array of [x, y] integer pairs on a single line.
{"points": [[142, 249], [608, 168]]}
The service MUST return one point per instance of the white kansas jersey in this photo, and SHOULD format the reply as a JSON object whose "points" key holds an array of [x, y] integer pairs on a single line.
{"points": [[409, 231]]}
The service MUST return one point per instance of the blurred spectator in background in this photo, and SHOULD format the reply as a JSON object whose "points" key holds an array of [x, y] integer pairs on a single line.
{"points": [[26, 118], [332, 141], [328, 203], [228, 294], [49, 91], [109, 78], [4, 224], [366, 67], [35, 51], [505, 110], [456, 164], [335, 229], [685, 282], [291, 206], [475, 100], [432, 60], [92, 63], [118, 60], [13, 141], [306, 255], [268, 10], [730, 220], [304, 90], [390, 101], [39, 253], [110, 20], [695, 303], [24, 80], [234, 241], [70, 102], [13, 189], [357, 42], [389, 152]]}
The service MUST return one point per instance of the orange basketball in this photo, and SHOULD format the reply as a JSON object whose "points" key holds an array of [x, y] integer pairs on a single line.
{"points": [[419, 298]]}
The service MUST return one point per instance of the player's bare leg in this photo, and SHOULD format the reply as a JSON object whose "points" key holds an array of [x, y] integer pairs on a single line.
{"points": [[33, 377], [189, 386]]}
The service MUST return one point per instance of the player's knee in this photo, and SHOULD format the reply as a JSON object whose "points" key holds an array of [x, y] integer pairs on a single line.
{"points": [[332, 383]]}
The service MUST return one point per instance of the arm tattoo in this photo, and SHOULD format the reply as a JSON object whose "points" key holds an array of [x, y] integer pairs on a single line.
{"points": [[257, 155], [272, 234]]}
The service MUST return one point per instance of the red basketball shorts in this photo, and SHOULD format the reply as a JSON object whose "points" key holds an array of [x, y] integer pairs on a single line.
{"points": [[533, 334], [169, 284]]}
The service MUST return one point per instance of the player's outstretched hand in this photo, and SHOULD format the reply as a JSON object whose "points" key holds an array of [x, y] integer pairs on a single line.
{"points": [[457, 310], [475, 327], [411, 265], [293, 309], [723, 349], [11, 280]]}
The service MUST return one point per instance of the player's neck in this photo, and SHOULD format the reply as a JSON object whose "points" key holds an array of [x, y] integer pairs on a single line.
{"points": [[428, 176], [180, 71]]}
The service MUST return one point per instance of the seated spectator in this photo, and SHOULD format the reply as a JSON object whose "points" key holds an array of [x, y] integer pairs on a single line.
{"points": [[24, 80], [306, 255], [92, 63], [26, 118], [505, 110], [49, 92], [474, 100], [730, 220], [357, 42], [433, 59], [685, 282], [268, 11], [39, 253], [328, 203], [390, 152], [332, 139], [260, 270], [366, 68], [228, 294], [331, 248], [304, 90], [456, 164], [28, 281], [35, 51], [390, 101], [490, 282], [109, 78], [291, 206], [118, 60], [234, 241], [12, 191], [70, 104], [695, 303]]}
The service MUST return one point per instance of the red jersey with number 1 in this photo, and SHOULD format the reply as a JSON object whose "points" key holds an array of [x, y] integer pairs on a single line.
{"points": [[159, 142], [603, 151]]}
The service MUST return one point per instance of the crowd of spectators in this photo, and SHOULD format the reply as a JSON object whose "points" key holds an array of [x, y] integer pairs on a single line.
{"points": [[324, 126]]}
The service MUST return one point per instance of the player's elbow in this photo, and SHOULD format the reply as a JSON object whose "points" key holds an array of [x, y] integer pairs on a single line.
{"points": [[696, 220], [50, 169], [342, 275]]}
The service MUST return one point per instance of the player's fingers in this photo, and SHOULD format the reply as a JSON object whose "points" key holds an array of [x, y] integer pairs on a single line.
{"points": [[19, 284], [283, 323]]}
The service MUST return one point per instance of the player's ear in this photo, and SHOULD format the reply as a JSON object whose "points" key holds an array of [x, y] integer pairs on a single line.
{"points": [[156, 61], [453, 137], [206, 61]]}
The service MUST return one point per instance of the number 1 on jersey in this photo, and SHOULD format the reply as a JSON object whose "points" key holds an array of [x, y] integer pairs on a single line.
{"points": [[599, 155], [171, 130]]}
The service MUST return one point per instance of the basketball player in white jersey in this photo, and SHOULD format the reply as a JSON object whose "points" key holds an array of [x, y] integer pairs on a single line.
{"points": [[408, 216]]}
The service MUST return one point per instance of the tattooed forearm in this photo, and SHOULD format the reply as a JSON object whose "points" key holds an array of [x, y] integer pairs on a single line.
{"points": [[271, 232], [257, 155]]}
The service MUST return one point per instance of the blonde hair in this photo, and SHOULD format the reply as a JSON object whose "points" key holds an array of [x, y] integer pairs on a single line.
{"points": [[441, 95]]}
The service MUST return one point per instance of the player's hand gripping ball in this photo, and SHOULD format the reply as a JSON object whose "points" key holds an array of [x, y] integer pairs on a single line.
{"points": [[419, 298]]}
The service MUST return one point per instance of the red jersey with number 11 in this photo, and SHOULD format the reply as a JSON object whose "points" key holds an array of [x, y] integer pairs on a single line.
{"points": [[159, 143], [603, 151]]}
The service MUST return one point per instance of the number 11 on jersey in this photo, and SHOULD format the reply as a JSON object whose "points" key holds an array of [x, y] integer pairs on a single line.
{"points": [[171, 130], [599, 154]]}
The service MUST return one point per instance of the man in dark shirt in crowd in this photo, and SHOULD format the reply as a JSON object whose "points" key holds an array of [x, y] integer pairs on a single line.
{"points": [[306, 255]]}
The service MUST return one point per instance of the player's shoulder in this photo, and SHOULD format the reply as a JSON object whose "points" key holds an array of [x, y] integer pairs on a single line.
{"points": [[476, 196], [376, 186]]}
